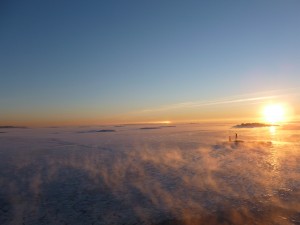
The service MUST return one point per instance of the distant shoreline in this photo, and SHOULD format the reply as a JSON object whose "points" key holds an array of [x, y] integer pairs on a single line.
{"points": [[254, 125], [12, 127]]}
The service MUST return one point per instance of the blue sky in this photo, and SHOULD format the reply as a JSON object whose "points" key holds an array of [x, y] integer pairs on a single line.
{"points": [[96, 59]]}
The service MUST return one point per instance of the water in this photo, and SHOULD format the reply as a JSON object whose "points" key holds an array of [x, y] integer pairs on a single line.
{"points": [[188, 174]]}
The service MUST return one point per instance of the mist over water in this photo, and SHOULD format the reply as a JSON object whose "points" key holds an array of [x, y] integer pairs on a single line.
{"points": [[188, 174]]}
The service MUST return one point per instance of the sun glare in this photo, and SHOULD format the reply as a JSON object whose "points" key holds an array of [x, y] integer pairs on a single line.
{"points": [[165, 122], [274, 113]]}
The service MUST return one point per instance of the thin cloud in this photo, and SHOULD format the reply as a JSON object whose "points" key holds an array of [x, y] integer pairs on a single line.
{"points": [[251, 98]]}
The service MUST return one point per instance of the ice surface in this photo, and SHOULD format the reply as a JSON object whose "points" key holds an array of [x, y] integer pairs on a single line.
{"points": [[188, 174]]}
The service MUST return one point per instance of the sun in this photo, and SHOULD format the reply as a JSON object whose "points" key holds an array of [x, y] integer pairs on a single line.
{"points": [[274, 113]]}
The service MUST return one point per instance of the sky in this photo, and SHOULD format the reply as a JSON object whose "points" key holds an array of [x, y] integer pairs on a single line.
{"points": [[98, 62]]}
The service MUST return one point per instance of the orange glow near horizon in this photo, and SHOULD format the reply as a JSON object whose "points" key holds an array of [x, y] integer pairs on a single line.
{"points": [[273, 113], [162, 122]]}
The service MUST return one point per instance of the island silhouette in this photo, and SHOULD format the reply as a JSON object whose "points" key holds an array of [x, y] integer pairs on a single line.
{"points": [[254, 125]]}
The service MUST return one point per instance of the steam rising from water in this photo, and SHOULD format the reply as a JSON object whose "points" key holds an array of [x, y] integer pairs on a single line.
{"points": [[182, 175]]}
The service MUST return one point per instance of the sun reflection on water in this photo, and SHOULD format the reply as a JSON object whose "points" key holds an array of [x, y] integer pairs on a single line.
{"points": [[272, 130]]}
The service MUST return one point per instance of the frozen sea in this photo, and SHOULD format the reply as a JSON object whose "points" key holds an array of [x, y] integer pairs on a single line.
{"points": [[150, 174]]}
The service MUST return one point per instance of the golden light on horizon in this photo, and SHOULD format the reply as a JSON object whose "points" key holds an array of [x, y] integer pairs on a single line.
{"points": [[159, 122], [164, 122], [274, 113]]}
